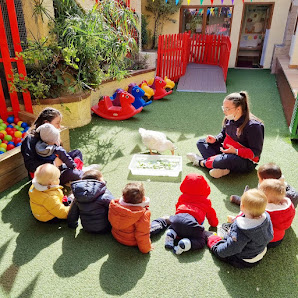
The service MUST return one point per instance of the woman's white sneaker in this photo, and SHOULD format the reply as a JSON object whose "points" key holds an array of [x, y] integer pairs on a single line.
{"points": [[217, 173], [194, 158]]}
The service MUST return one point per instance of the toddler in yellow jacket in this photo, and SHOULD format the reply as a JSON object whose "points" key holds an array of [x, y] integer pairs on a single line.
{"points": [[46, 194]]}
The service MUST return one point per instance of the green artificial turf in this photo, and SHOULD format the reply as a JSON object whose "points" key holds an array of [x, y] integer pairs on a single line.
{"points": [[51, 260]]}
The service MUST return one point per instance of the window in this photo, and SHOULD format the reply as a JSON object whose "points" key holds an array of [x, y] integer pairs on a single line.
{"points": [[206, 19]]}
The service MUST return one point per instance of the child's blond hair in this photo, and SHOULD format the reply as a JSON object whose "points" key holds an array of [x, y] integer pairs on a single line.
{"points": [[46, 174], [275, 190], [133, 193], [254, 201]]}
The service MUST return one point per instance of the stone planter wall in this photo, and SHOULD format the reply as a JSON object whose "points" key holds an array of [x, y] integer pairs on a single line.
{"points": [[76, 108]]}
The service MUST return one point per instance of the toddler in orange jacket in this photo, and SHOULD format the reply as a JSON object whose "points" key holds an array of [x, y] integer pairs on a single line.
{"points": [[130, 217]]}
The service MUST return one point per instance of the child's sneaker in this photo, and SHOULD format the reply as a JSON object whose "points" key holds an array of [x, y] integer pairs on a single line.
{"points": [[235, 199], [217, 173], [170, 237], [195, 159], [223, 230], [183, 245]]}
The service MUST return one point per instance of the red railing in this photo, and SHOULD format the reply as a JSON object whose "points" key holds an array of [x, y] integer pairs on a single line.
{"points": [[175, 51], [6, 60]]}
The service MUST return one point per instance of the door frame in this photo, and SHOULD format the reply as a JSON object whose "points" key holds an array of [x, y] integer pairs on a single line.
{"points": [[267, 25]]}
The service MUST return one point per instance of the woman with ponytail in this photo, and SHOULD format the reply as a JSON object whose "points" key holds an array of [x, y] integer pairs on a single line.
{"points": [[237, 148]]}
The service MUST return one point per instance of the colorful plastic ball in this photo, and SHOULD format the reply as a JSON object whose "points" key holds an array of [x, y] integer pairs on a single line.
{"points": [[8, 137], [3, 125], [11, 126], [16, 120], [18, 144], [19, 123], [24, 134], [24, 125], [11, 133], [18, 134], [10, 119], [2, 136], [4, 142], [21, 128], [9, 147], [3, 145], [17, 127], [2, 150], [17, 140], [1, 121], [10, 143], [3, 132]]}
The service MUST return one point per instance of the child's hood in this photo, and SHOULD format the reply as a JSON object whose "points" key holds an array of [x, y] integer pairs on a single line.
{"points": [[256, 229], [88, 190], [122, 217], [195, 184]]}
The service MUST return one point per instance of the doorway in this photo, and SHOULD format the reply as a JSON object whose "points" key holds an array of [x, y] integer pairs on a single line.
{"points": [[255, 29]]}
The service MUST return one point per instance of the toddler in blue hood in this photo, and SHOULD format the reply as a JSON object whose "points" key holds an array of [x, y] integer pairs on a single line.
{"points": [[91, 203], [246, 242]]}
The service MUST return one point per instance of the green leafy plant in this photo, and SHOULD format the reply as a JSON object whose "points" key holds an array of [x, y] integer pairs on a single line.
{"points": [[83, 49], [161, 11]]}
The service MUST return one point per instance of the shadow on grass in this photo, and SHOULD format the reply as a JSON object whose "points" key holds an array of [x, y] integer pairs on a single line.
{"points": [[275, 276], [33, 236], [122, 270]]}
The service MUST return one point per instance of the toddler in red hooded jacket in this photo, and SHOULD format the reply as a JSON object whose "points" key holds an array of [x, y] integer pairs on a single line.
{"points": [[191, 209]]}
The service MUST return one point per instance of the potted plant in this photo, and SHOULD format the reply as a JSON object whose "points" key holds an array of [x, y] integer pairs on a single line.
{"points": [[83, 49]]}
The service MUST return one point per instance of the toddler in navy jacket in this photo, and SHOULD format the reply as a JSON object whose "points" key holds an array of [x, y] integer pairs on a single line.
{"points": [[48, 148], [91, 203], [245, 244]]}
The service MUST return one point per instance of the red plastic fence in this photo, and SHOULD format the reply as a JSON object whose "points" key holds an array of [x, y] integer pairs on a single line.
{"points": [[7, 63], [176, 50]]}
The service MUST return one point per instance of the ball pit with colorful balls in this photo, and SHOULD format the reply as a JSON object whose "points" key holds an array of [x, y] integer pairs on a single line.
{"points": [[12, 133]]}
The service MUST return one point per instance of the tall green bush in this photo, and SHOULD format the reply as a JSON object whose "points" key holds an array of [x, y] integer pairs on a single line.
{"points": [[162, 11], [84, 48]]}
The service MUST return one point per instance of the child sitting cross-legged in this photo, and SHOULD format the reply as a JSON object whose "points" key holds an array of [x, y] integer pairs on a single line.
{"points": [[280, 208], [191, 209], [245, 244], [91, 203], [46, 194], [130, 217]]}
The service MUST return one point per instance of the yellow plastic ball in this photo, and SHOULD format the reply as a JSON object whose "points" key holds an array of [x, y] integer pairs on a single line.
{"points": [[4, 132], [18, 134], [3, 145], [19, 123]]}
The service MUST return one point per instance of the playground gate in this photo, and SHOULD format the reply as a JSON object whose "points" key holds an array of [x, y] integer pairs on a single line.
{"points": [[175, 51], [10, 31]]}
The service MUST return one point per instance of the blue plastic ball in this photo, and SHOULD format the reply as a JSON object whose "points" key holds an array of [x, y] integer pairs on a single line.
{"points": [[10, 119], [24, 125], [9, 125], [10, 142], [18, 144], [1, 152]]}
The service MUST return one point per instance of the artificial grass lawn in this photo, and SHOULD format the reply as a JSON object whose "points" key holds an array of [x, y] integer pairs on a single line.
{"points": [[51, 260]]}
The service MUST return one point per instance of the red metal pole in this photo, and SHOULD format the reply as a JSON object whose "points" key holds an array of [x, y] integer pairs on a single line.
{"points": [[7, 65], [18, 48]]}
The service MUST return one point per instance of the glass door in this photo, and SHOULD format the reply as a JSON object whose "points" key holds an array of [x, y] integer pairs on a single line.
{"points": [[255, 26]]}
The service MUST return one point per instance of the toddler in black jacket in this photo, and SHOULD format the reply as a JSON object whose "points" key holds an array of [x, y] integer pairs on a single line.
{"points": [[91, 203]]}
